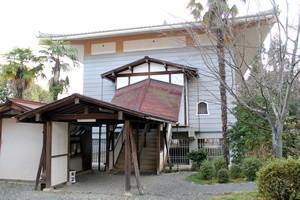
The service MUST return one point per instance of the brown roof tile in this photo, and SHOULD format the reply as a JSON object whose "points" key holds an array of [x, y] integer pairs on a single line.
{"points": [[151, 96]]}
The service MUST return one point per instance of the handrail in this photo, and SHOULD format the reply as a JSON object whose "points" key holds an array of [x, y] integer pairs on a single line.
{"points": [[142, 141], [119, 136], [118, 145]]}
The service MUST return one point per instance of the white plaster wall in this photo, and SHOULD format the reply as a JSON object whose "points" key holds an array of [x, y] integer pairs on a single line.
{"points": [[21, 150], [59, 165]]}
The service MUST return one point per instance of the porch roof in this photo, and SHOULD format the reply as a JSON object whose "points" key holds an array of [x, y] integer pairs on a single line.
{"points": [[77, 107], [112, 74], [151, 96], [18, 104]]}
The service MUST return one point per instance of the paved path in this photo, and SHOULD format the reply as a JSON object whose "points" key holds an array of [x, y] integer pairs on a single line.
{"points": [[106, 186]]}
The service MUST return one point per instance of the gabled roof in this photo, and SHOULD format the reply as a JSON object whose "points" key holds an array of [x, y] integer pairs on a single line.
{"points": [[19, 105], [77, 106], [151, 96], [264, 15], [111, 75]]}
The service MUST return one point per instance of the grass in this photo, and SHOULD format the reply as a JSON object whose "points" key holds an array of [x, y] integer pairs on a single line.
{"points": [[194, 178], [239, 196]]}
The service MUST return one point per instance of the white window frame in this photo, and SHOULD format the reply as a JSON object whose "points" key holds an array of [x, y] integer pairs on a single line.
{"points": [[197, 107]]}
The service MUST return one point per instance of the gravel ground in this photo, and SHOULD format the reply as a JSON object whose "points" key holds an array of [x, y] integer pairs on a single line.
{"points": [[98, 185]]}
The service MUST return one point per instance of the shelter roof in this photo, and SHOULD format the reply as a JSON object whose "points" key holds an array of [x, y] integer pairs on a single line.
{"points": [[79, 107], [111, 75], [151, 96], [18, 105]]}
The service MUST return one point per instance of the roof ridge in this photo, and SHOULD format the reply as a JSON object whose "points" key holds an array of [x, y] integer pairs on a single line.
{"points": [[144, 92]]}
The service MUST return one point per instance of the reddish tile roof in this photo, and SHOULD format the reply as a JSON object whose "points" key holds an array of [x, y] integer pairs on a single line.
{"points": [[151, 96], [28, 105]]}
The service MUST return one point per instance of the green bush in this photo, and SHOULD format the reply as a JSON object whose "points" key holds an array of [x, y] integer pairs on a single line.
{"points": [[223, 175], [280, 179], [195, 167], [235, 171], [206, 170], [197, 156], [220, 163], [250, 166]]}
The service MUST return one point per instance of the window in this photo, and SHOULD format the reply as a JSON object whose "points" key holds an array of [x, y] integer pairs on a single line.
{"points": [[202, 108], [213, 146]]}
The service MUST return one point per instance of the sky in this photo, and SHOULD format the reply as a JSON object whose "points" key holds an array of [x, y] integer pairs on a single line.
{"points": [[22, 20]]}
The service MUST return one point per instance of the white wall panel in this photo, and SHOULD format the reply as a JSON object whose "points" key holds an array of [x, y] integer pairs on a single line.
{"points": [[20, 150]]}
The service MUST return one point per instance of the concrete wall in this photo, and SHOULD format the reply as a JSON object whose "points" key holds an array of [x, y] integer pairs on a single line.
{"points": [[20, 151]]}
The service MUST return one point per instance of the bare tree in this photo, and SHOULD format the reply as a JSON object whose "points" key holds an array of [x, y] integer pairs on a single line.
{"points": [[244, 39]]}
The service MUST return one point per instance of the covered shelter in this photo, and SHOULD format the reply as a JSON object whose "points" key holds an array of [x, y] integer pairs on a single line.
{"points": [[79, 110]]}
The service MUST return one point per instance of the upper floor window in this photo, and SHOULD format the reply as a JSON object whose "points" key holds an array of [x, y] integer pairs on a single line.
{"points": [[202, 108]]}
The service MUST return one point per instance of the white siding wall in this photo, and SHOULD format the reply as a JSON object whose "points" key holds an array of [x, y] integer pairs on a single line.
{"points": [[95, 65], [21, 150]]}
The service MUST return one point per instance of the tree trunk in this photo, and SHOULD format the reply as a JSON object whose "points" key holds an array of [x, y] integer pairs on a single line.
{"points": [[222, 73], [56, 75], [277, 139]]}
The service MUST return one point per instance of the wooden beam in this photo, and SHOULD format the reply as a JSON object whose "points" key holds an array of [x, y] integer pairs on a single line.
{"points": [[42, 159], [127, 156], [120, 115], [150, 73], [167, 146], [48, 153], [135, 163], [86, 109], [84, 116], [76, 101], [158, 148], [38, 117]]}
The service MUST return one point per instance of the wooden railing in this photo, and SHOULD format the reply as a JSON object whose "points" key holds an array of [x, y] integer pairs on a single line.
{"points": [[143, 140]]}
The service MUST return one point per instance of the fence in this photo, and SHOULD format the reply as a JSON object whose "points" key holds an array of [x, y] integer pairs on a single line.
{"points": [[212, 146], [178, 150], [95, 156]]}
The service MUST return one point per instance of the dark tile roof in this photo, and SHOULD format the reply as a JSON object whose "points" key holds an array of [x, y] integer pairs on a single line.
{"points": [[29, 105], [151, 96], [68, 105], [18, 104]]}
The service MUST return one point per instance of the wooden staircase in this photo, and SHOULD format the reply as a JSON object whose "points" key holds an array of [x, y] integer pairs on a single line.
{"points": [[147, 159]]}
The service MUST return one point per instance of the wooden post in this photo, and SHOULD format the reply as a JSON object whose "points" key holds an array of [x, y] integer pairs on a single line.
{"points": [[158, 148], [0, 134], [99, 148], [138, 144], [168, 152], [136, 165], [42, 159], [107, 148], [127, 156], [48, 153]]}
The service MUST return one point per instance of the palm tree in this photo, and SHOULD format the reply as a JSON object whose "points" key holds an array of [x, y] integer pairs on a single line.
{"points": [[216, 20], [21, 76], [55, 51]]}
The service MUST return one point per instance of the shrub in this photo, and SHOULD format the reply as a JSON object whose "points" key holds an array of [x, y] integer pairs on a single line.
{"points": [[195, 167], [280, 179], [235, 171], [206, 170], [250, 166], [197, 156], [223, 175], [220, 163]]}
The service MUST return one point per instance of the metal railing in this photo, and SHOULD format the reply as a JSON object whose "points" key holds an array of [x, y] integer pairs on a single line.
{"points": [[96, 150], [178, 150], [213, 146]]}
